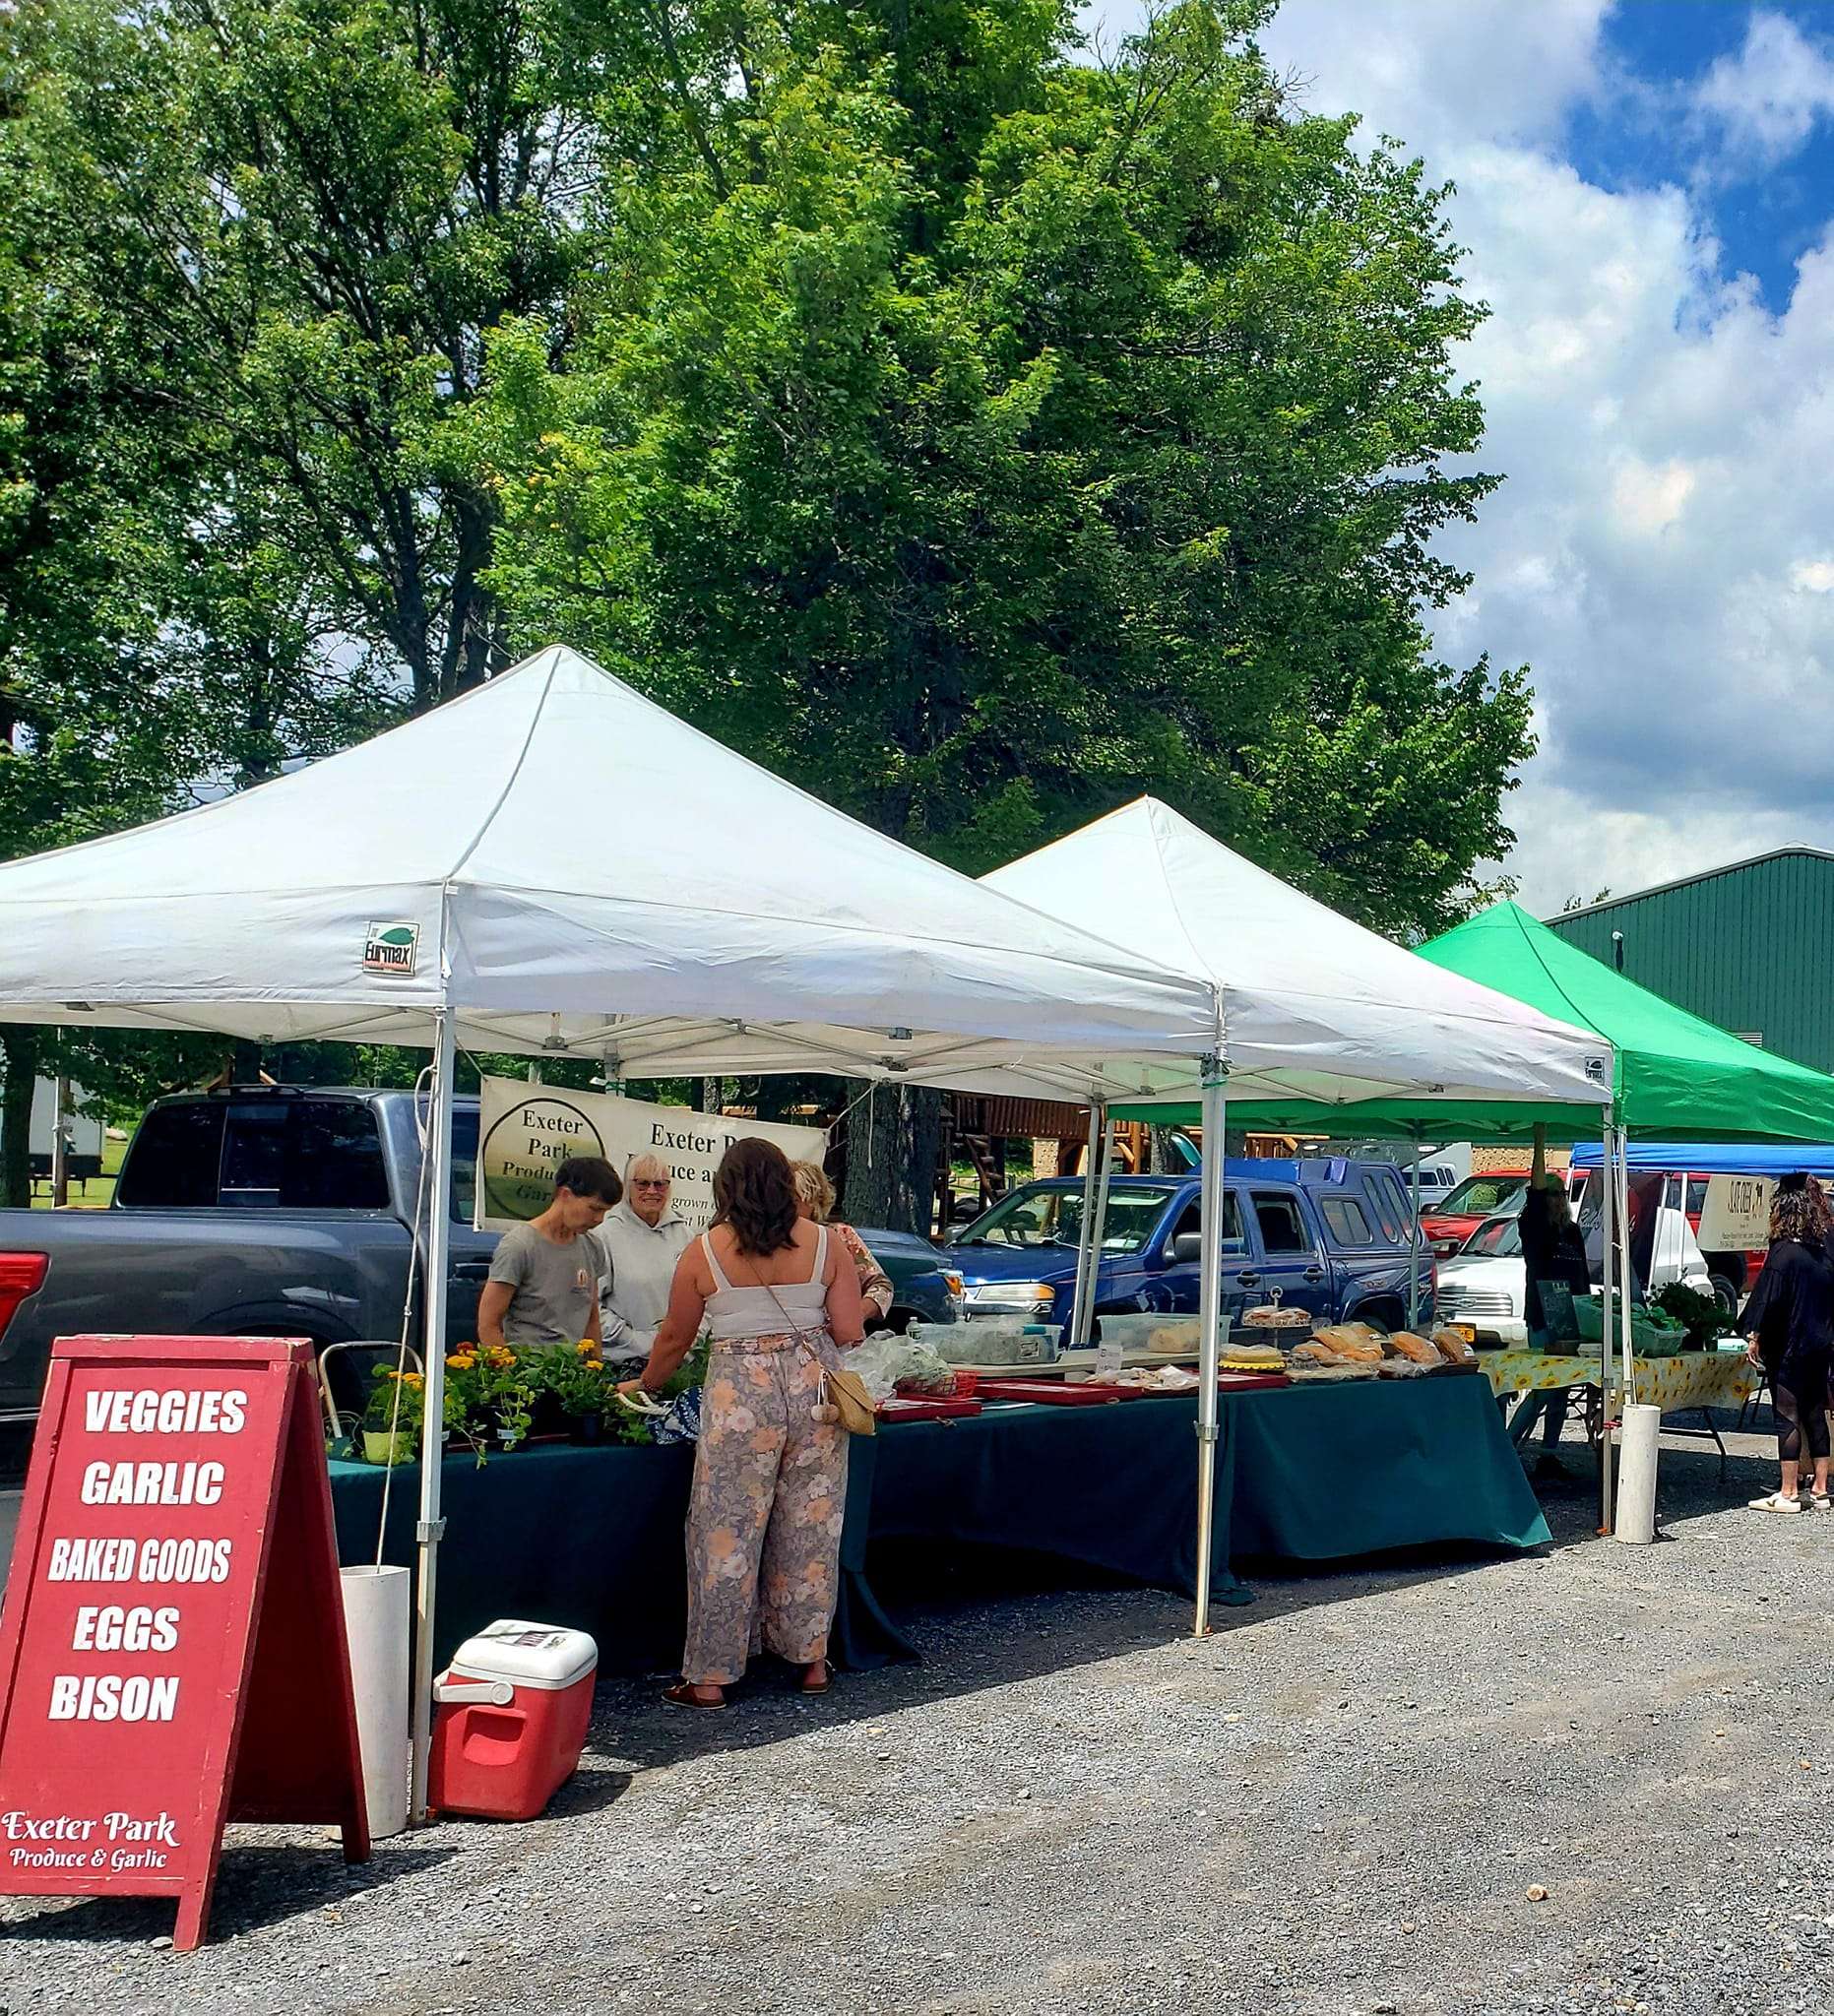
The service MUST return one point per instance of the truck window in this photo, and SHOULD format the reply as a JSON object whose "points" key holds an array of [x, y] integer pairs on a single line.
{"points": [[464, 1164], [1193, 1222], [173, 1161], [1283, 1231], [303, 1155], [1383, 1189], [1344, 1214]]}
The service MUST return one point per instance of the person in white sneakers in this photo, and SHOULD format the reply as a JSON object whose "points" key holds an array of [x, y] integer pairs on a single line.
{"points": [[1788, 1325]]}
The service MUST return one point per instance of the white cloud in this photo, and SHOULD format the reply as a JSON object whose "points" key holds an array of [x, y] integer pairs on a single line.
{"points": [[1768, 99], [1659, 553]]}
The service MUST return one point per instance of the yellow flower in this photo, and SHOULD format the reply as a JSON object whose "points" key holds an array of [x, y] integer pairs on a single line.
{"points": [[413, 1379], [462, 1360], [586, 1347], [499, 1357]]}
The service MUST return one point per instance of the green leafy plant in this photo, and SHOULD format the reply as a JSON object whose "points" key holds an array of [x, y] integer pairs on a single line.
{"points": [[573, 1374], [1699, 1315]]}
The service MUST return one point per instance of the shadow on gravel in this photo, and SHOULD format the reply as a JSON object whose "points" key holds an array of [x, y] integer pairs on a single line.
{"points": [[255, 1887], [588, 1791], [1052, 1616]]}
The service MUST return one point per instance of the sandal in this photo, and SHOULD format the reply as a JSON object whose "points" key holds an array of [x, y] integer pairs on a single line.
{"points": [[822, 1685], [682, 1695]]}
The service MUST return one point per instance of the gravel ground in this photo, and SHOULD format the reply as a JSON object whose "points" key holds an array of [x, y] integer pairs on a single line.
{"points": [[1348, 1800]]}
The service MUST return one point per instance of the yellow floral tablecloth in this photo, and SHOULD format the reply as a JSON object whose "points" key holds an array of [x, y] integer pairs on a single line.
{"points": [[1693, 1378]]}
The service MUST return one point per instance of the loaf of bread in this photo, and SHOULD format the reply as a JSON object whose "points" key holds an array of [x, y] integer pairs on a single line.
{"points": [[1355, 1343], [1404, 1343], [1315, 1352], [1451, 1345], [1252, 1357]]}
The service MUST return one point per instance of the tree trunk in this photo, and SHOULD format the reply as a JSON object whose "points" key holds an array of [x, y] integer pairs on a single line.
{"points": [[20, 1046], [893, 1140], [713, 1095]]}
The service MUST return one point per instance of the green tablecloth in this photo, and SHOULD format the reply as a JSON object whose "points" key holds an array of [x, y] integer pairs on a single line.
{"points": [[593, 1538]]}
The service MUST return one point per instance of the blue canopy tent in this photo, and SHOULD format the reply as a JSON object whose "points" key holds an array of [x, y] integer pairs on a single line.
{"points": [[1715, 1158]]}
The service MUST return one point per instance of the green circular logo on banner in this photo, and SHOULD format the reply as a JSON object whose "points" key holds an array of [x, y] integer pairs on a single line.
{"points": [[519, 1154]]}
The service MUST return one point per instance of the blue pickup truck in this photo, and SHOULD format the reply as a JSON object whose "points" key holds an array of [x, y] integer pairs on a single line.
{"points": [[1330, 1234]]}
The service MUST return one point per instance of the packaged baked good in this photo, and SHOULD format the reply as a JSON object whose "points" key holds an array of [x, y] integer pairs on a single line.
{"points": [[1451, 1345], [1355, 1343], [1404, 1343], [1277, 1316], [1252, 1357], [1314, 1352]]}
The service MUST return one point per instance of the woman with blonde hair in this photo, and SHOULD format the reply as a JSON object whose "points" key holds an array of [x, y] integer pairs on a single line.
{"points": [[815, 1200], [769, 1495], [1789, 1326]]}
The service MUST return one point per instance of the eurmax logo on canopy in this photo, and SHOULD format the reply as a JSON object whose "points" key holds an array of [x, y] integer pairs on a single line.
{"points": [[391, 948]]}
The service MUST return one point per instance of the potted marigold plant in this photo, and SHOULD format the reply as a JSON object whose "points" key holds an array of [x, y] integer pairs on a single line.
{"points": [[574, 1376], [393, 1419], [488, 1396]]}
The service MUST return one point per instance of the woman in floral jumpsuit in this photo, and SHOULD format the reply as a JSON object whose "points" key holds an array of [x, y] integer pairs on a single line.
{"points": [[779, 1297]]}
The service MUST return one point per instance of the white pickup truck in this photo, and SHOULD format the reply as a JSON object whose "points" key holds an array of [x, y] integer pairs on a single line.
{"points": [[1484, 1283]]}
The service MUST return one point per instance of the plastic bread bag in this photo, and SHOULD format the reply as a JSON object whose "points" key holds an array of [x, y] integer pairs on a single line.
{"points": [[886, 1362]]}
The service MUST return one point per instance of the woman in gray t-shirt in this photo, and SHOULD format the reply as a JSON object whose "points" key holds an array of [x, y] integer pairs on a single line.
{"points": [[543, 1284]]}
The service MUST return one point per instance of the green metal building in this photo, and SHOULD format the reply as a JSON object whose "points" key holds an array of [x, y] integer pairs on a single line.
{"points": [[1749, 946]]}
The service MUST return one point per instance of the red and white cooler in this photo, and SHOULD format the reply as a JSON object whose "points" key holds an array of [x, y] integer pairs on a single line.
{"points": [[513, 1706]]}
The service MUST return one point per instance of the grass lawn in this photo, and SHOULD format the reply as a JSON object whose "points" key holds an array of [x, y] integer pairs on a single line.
{"points": [[97, 1193]]}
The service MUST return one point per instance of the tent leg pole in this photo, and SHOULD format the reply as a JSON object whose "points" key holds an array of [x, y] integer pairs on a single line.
{"points": [[1414, 1242], [1626, 1354], [1210, 1299], [1607, 1238], [1099, 1227], [1082, 1317], [437, 1252]]}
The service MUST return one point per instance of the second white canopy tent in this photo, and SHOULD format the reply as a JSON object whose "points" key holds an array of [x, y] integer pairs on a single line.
{"points": [[1312, 1009]]}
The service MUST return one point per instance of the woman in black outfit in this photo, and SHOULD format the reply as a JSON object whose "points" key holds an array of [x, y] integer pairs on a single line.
{"points": [[1552, 1251], [1788, 1325]]}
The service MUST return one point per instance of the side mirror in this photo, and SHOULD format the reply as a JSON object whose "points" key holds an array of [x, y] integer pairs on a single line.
{"points": [[1185, 1249]]}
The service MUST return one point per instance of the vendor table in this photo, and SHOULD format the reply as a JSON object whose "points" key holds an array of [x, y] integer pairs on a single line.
{"points": [[1689, 1379], [593, 1538]]}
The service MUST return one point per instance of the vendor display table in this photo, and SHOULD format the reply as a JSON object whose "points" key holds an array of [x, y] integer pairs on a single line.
{"points": [[593, 1538], [1690, 1379]]}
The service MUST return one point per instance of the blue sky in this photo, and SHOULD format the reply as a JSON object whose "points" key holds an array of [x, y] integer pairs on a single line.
{"points": [[1646, 192], [1665, 56]]}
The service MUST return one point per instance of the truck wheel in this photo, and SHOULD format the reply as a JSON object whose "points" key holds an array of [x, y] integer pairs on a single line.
{"points": [[1725, 1294], [1389, 1316]]}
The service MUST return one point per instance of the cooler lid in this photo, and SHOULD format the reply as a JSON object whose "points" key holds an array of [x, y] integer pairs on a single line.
{"points": [[529, 1654]]}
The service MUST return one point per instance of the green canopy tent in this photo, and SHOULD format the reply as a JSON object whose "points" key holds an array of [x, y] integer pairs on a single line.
{"points": [[1677, 1077]]}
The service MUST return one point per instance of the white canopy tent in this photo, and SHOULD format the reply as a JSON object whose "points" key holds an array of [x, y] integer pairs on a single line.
{"points": [[554, 865], [1316, 1012]]}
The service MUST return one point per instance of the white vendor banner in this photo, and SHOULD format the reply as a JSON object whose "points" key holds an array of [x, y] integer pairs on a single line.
{"points": [[525, 1132], [1735, 1217]]}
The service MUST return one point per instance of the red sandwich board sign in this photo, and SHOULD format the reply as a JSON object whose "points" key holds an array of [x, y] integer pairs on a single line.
{"points": [[171, 1650]]}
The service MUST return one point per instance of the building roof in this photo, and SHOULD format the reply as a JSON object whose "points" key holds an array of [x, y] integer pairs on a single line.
{"points": [[1776, 853]]}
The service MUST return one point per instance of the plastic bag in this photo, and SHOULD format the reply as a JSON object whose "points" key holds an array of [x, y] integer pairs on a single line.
{"points": [[885, 1361]]}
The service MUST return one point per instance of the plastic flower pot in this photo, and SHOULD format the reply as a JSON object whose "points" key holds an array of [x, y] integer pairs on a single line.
{"points": [[589, 1430], [379, 1446]]}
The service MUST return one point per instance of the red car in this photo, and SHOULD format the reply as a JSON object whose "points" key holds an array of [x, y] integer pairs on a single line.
{"points": [[1497, 1193]]}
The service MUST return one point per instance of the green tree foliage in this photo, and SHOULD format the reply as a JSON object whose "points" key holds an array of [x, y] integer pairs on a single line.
{"points": [[985, 437], [310, 211], [976, 431]]}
